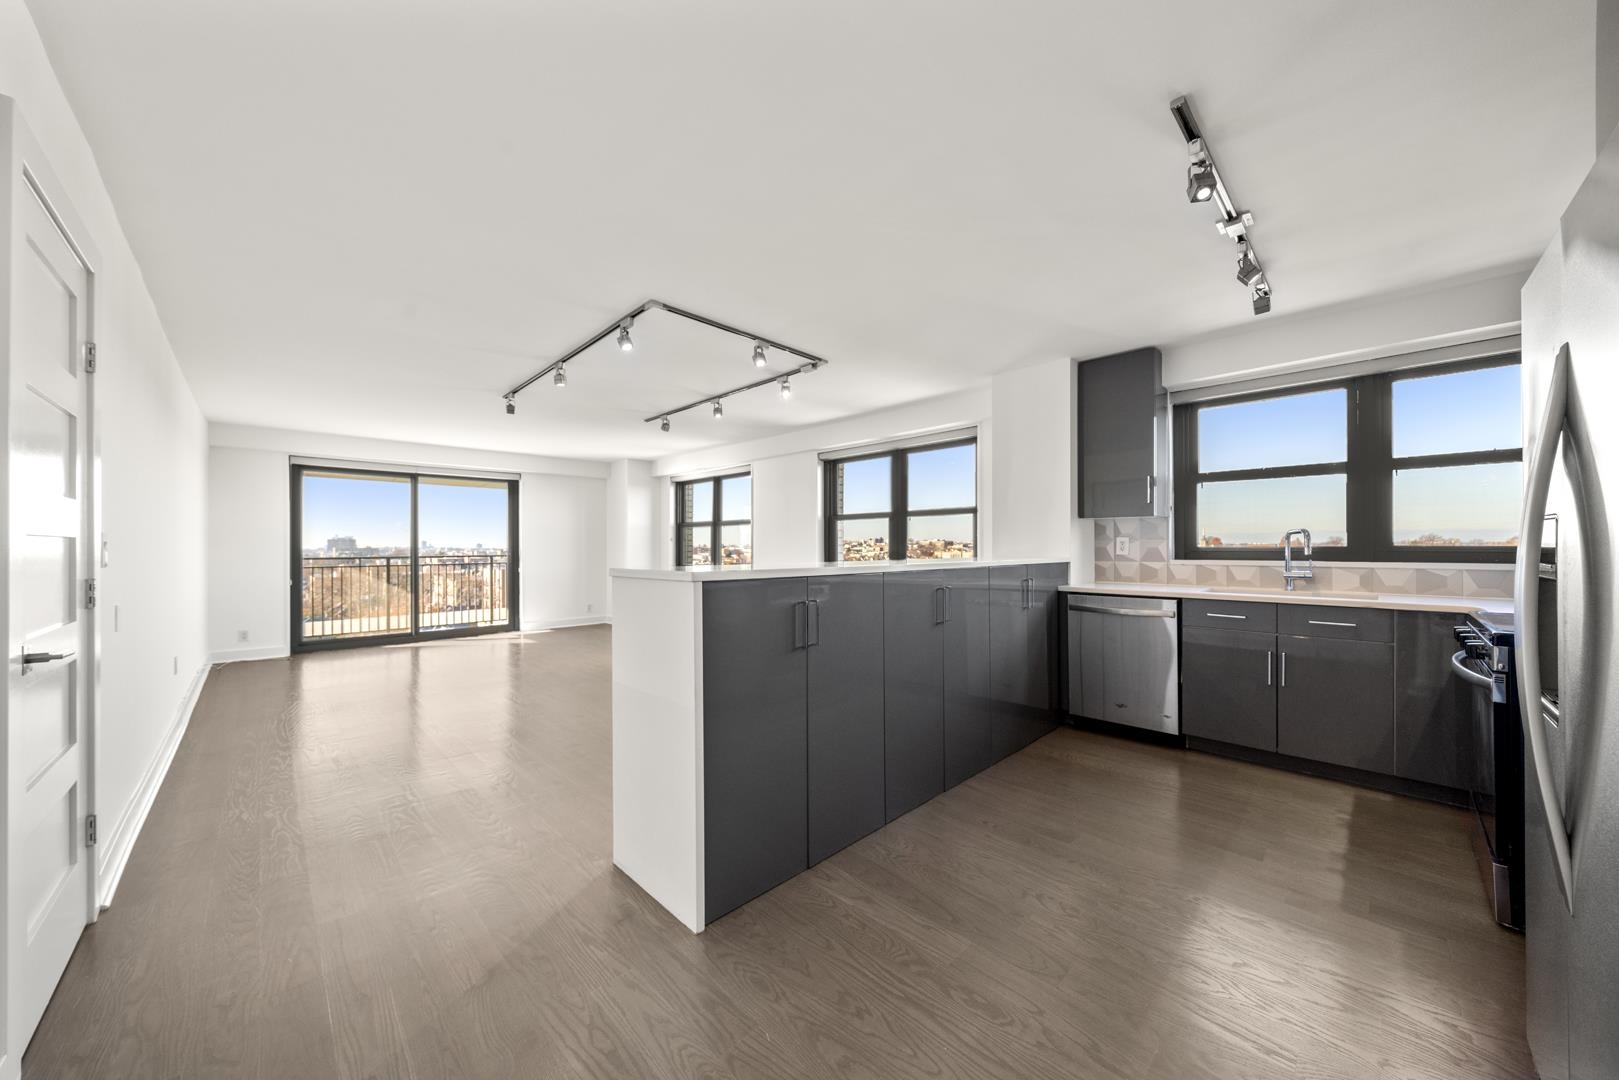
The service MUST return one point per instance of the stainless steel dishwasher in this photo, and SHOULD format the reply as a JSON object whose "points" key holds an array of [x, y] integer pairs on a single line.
{"points": [[1124, 661]]}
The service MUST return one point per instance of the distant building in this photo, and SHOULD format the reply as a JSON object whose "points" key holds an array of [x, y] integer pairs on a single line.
{"points": [[342, 545]]}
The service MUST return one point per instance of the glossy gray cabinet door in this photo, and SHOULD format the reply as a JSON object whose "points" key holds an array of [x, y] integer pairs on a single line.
{"points": [[913, 682], [968, 711], [1335, 702], [1044, 614], [1118, 416], [1433, 731], [1228, 686], [845, 711], [755, 754]]}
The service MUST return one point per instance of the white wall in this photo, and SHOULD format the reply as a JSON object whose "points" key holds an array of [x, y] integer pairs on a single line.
{"points": [[1034, 482], [248, 554], [1457, 312], [631, 517], [1607, 64], [562, 546], [153, 441], [562, 550]]}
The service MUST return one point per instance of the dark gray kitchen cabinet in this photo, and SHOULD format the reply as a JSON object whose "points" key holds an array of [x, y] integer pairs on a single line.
{"points": [[1228, 686], [845, 728], [1433, 733], [968, 713], [1335, 702], [1024, 637], [913, 687], [755, 753], [1119, 402]]}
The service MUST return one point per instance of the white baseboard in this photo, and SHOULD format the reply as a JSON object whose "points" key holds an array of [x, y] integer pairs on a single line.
{"points": [[120, 841], [258, 652], [530, 625]]}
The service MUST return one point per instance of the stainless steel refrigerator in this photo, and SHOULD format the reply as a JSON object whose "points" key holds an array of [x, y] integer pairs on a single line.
{"points": [[1568, 651]]}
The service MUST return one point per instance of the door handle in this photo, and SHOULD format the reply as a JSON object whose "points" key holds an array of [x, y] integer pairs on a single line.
{"points": [[1526, 589], [1284, 670], [1028, 593], [1149, 490], [30, 659], [938, 605], [1270, 664], [800, 622], [814, 622]]}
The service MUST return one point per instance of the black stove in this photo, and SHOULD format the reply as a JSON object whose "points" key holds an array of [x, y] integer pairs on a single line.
{"points": [[1484, 666]]}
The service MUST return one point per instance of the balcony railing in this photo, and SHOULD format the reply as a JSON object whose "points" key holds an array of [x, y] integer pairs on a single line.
{"points": [[353, 596]]}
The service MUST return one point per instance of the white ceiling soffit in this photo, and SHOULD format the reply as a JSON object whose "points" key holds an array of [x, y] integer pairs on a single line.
{"points": [[373, 217]]}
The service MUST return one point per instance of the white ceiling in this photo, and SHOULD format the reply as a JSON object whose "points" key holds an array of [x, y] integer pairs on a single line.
{"points": [[373, 216]]}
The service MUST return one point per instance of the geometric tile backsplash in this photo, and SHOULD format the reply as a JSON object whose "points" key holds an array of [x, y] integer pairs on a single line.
{"points": [[1149, 561]]}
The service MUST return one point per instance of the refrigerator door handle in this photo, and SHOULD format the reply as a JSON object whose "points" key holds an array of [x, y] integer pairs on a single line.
{"points": [[1527, 598]]}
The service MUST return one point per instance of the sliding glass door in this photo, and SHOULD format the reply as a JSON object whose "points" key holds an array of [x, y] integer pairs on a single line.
{"points": [[381, 557]]}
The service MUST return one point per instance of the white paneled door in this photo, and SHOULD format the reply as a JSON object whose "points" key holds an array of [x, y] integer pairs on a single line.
{"points": [[47, 759]]}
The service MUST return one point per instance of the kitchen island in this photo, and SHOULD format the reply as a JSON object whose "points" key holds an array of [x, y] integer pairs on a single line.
{"points": [[764, 719]]}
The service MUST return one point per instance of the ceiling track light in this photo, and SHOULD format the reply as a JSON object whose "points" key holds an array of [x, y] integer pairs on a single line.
{"points": [[560, 378], [782, 383], [619, 329], [1204, 185], [511, 407]]}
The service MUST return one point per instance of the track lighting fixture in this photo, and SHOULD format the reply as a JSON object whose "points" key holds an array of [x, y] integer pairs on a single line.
{"points": [[1204, 185], [619, 330], [1248, 268], [665, 424], [1199, 181], [786, 388], [782, 383], [719, 410]]}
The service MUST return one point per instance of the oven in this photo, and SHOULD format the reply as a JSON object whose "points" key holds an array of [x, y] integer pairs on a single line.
{"points": [[1484, 666]]}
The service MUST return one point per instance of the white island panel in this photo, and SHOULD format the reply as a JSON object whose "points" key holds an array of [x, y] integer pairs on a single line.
{"points": [[658, 740]]}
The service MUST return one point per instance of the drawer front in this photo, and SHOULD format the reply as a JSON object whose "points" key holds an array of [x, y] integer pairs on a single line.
{"points": [[1229, 615], [1347, 623]]}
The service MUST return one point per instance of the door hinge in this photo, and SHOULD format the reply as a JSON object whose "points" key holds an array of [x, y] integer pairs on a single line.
{"points": [[90, 357], [90, 830], [89, 592]]}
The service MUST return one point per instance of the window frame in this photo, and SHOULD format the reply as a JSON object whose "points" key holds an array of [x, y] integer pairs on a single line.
{"points": [[1369, 470], [899, 513], [718, 522]]}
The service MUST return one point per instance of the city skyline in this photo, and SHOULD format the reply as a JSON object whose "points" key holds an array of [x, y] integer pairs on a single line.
{"points": [[375, 511]]}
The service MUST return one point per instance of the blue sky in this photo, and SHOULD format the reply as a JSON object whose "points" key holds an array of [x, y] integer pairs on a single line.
{"points": [[938, 479], [1466, 411], [376, 512]]}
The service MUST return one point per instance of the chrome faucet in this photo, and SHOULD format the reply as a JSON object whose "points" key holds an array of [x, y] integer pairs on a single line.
{"points": [[1288, 572]]}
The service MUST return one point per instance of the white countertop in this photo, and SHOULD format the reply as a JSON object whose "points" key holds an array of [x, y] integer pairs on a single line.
{"points": [[736, 573], [1384, 601]]}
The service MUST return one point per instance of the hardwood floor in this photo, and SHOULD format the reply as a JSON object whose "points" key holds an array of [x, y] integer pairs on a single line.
{"points": [[396, 862]]}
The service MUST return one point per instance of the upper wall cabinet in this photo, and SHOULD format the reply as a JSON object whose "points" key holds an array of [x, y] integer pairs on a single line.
{"points": [[1120, 414]]}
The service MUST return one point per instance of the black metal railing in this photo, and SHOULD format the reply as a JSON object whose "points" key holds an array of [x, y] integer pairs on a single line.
{"points": [[352, 596]]}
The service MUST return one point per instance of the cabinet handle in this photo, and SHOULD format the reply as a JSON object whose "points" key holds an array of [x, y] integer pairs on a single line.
{"points": [[1149, 490], [1028, 593], [1324, 622], [1270, 662], [1284, 670], [800, 622], [1218, 615], [947, 590], [815, 623], [938, 605]]}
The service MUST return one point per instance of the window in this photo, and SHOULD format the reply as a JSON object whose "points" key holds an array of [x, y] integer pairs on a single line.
{"points": [[915, 503], [1413, 465], [380, 556], [714, 521]]}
